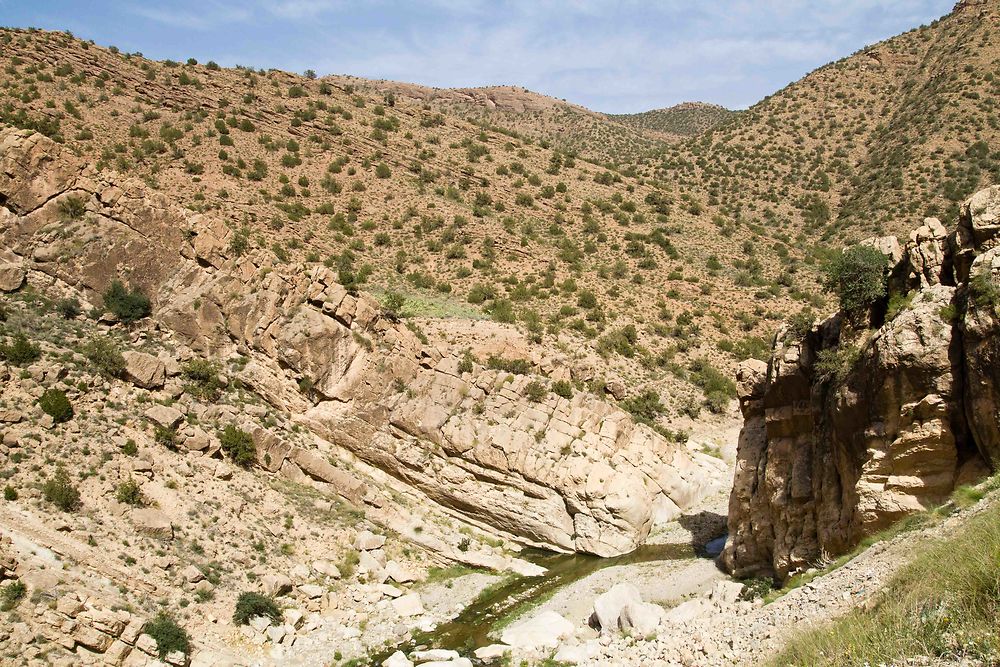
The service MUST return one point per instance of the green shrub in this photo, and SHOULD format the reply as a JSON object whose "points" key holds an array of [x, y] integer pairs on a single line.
{"points": [[716, 386], [12, 593], [128, 306], [835, 363], [562, 388], [756, 587], [165, 436], [130, 493], [382, 170], [169, 635], [392, 305], [68, 308], [105, 355], [516, 366], [644, 407], [535, 391], [858, 277], [238, 445], [59, 491], [72, 207], [251, 604], [984, 291], [799, 325], [54, 403], [203, 379], [9, 493], [21, 351], [130, 448]]}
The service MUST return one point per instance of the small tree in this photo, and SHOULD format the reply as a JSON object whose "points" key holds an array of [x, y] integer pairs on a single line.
{"points": [[130, 493], [392, 305], [858, 277], [252, 604], [238, 444], [128, 306], [203, 379], [535, 391], [169, 635], [55, 404], [21, 351], [59, 491]]}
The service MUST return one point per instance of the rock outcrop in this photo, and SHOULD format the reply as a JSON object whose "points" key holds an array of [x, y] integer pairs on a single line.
{"points": [[566, 474], [847, 431]]}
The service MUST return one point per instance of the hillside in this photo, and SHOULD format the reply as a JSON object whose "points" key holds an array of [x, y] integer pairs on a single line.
{"points": [[464, 222], [567, 127], [870, 144], [688, 119]]}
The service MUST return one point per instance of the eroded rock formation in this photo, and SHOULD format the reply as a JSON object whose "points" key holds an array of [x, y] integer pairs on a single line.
{"points": [[829, 454], [568, 474]]}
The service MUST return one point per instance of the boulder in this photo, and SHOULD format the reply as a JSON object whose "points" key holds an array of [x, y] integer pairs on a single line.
{"points": [[164, 415], [434, 655], [144, 370], [11, 276], [609, 605], [640, 618], [368, 541], [276, 584], [544, 630], [408, 605], [397, 659], [152, 522]]}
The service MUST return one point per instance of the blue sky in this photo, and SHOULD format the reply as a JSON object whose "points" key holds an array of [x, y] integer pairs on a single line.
{"points": [[622, 56]]}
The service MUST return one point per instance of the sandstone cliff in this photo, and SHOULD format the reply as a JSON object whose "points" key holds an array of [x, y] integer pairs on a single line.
{"points": [[566, 474], [829, 456]]}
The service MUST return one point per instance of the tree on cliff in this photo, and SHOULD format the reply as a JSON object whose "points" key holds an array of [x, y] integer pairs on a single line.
{"points": [[858, 277]]}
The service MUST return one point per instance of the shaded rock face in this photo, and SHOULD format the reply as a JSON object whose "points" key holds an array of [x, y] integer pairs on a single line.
{"points": [[569, 475], [824, 461]]}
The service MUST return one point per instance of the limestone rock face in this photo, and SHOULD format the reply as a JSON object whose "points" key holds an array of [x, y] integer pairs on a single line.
{"points": [[573, 474], [847, 431]]}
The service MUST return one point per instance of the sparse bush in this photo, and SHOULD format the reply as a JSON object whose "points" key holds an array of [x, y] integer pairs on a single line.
{"points": [[12, 594], [534, 391], [59, 491], [644, 407], [55, 403], [203, 379], [716, 386], [169, 635], [68, 308], [130, 493], [238, 445], [756, 587], [835, 363], [72, 207], [21, 351], [251, 604], [516, 366], [105, 355], [128, 306], [562, 388], [392, 305]]}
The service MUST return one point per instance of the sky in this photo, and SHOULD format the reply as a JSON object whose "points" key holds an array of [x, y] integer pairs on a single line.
{"points": [[620, 56]]}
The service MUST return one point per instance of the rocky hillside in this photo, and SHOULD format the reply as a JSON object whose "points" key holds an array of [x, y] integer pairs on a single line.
{"points": [[596, 137], [462, 221], [688, 119], [900, 130], [851, 427]]}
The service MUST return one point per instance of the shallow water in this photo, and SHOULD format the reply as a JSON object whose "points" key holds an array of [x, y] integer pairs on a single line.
{"points": [[472, 627]]}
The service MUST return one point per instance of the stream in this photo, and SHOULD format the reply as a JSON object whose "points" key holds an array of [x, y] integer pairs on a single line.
{"points": [[510, 598]]}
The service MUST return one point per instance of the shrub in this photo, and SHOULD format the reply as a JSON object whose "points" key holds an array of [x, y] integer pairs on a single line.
{"points": [[251, 604], [562, 388], [393, 304], [54, 403], [535, 391], [203, 379], [68, 308], [72, 208], [718, 388], [130, 493], [128, 306], [645, 407], [12, 593], [9, 493], [858, 277], [516, 366], [59, 491], [835, 363], [169, 635], [21, 351], [238, 444], [104, 354], [382, 170], [165, 436], [984, 291], [130, 448]]}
